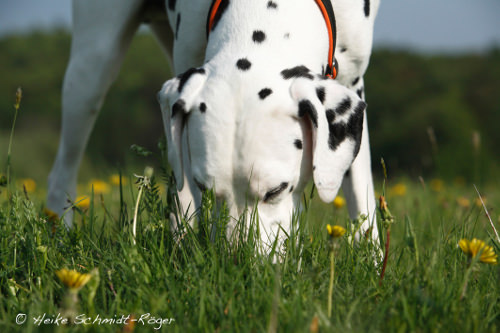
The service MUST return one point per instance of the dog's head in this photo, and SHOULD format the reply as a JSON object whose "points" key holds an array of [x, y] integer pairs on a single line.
{"points": [[254, 141]]}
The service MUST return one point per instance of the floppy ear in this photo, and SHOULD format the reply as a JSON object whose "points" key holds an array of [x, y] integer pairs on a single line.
{"points": [[176, 99], [336, 114]]}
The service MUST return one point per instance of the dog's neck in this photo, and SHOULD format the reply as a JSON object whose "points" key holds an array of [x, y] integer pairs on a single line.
{"points": [[275, 37]]}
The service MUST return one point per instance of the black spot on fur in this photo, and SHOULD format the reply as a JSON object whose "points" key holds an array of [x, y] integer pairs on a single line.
{"points": [[353, 129], [337, 134], [203, 107], [343, 49], [265, 92], [291, 189], [355, 81], [258, 36], [179, 106], [298, 143], [367, 8], [243, 64], [184, 77], [359, 92], [286, 35], [330, 116], [320, 92], [360, 108], [171, 4], [295, 72], [343, 106], [220, 11], [273, 193], [271, 4], [306, 107], [177, 25], [355, 125]]}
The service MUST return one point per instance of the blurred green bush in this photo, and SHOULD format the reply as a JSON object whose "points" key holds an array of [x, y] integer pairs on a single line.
{"points": [[434, 115]]}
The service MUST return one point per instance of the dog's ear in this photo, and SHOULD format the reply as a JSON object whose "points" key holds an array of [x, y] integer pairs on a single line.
{"points": [[177, 97], [336, 115]]}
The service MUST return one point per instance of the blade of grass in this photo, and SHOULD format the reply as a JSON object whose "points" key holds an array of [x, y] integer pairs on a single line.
{"points": [[488, 214]]}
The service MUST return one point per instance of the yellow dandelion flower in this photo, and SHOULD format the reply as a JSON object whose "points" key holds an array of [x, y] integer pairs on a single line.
{"points": [[73, 279], [115, 180], [99, 186], [398, 190], [335, 231], [437, 185], [475, 247], [463, 202], [51, 215], [338, 202], [29, 184], [82, 202]]}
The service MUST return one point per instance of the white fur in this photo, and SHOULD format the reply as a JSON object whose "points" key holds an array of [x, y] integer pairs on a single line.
{"points": [[241, 146]]}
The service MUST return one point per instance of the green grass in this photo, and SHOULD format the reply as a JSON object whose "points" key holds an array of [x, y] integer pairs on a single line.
{"points": [[199, 281], [215, 286]]}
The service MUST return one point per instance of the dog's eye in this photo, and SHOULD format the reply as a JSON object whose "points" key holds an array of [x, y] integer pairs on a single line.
{"points": [[274, 192]]}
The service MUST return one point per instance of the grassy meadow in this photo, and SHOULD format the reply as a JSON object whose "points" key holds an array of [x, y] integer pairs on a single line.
{"points": [[99, 277], [194, 284]]}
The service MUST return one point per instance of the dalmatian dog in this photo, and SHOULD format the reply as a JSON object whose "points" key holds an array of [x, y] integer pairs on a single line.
{"points": [[249, 114]]}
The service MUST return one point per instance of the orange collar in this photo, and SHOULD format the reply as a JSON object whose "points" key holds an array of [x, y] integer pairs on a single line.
{"points": [[326, 9]]}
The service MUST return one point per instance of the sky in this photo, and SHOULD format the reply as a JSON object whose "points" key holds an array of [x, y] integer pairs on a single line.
{"points": [[427, 26]]}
